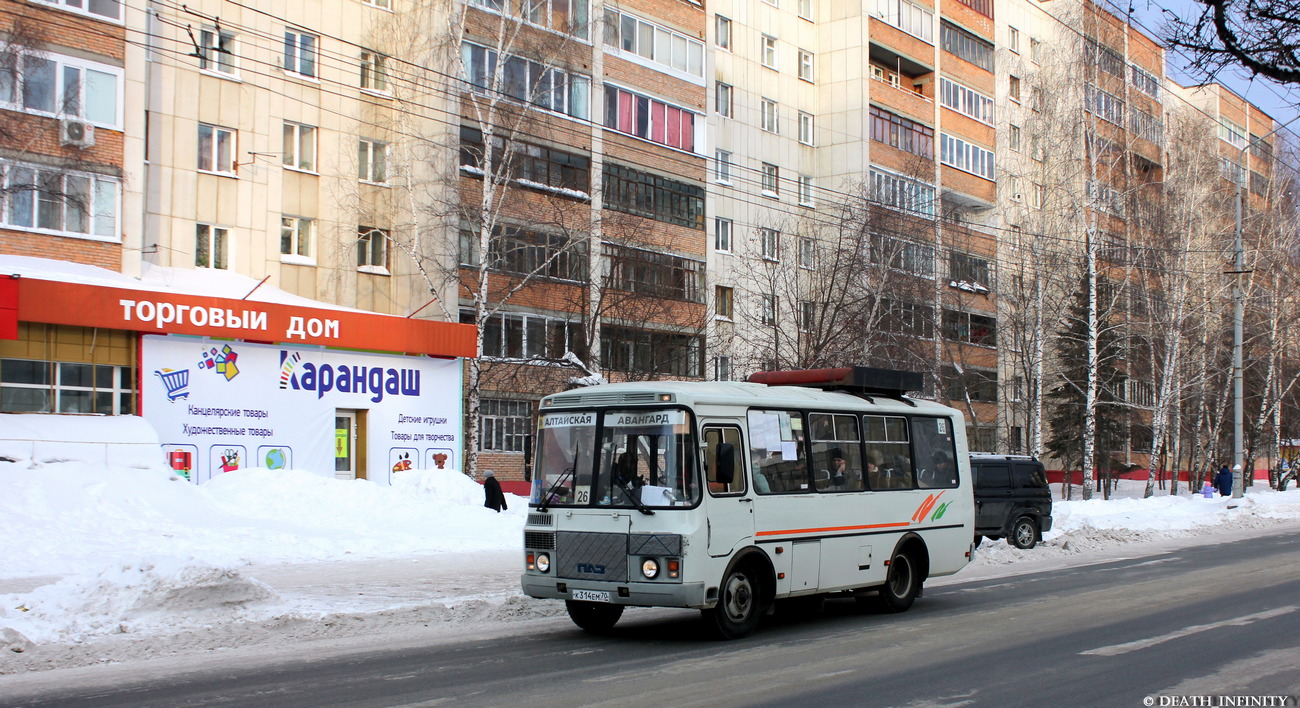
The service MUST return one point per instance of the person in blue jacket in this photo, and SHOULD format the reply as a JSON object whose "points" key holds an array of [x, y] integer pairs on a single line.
{"points": [[1223, 481]]}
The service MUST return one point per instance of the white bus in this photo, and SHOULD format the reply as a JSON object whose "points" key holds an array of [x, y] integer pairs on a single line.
{"points": [[726, 497]]}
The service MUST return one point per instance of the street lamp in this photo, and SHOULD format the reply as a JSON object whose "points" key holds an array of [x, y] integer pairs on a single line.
{"points": [[1238, 317]]}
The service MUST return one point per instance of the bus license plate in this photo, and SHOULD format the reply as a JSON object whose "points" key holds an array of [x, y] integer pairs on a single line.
{"points": [[591, 595]]}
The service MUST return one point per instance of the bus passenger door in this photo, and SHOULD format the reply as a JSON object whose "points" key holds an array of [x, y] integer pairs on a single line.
{"points": [[729, 505]]}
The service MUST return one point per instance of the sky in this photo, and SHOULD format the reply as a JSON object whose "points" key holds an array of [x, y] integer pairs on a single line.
{"points": [[92, 551], [1275, 99]]}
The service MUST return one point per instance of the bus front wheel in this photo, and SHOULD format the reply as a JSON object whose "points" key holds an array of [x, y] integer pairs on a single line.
{"points": [[593, 616], [739, 604], [902, 584]]}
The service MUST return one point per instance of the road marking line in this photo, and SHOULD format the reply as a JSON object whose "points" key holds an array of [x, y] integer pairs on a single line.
{"points": [[1117, 649]]}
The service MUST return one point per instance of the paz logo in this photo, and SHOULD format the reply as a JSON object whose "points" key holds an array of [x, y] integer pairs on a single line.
{"points": [[222, 360]]}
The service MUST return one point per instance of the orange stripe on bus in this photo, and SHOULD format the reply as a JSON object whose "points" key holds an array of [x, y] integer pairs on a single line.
{"points": [[835, 528]]}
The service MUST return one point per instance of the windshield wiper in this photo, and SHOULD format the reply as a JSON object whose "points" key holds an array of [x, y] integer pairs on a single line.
{"points": [[551, 491], [635, 498]]}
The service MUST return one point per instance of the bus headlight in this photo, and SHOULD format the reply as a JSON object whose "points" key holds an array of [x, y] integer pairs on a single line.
{"points": [[543, 563], [650, 568]]}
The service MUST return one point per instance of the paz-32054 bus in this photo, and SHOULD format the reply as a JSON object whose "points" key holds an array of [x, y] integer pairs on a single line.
{"points": [[725, 496]]}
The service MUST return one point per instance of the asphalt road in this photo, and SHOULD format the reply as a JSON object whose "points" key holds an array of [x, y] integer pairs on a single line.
{"points": [[1162, 630]]}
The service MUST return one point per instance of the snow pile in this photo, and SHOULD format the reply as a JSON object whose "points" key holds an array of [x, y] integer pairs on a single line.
{"points": [[144, 596]]}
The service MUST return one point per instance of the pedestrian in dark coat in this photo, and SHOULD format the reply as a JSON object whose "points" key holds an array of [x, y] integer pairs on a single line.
{"points": [[493, 497], [1223, 481]]}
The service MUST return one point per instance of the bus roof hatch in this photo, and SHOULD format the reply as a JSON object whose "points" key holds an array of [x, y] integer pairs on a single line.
{"points": [[864, 380]]}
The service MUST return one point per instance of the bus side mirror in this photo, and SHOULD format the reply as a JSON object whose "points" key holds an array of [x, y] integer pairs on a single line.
{"points": [[725, 457]]}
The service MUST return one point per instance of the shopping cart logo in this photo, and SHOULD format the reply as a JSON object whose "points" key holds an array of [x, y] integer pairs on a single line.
{"points": [[177, 382]]}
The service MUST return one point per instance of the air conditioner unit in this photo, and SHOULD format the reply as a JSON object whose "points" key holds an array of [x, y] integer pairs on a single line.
{"points": [[76, 133]]}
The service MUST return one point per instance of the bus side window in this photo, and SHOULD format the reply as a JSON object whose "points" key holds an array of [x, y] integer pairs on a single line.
{"points": [[716, 439], [889, 454], [936, 457]]}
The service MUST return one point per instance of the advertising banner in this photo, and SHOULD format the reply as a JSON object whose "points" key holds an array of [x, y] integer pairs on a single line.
{"points": [[219, 406]]}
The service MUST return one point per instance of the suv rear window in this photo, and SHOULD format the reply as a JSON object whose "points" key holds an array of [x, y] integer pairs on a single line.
{"points": [[993, 476], [1029, 476]]}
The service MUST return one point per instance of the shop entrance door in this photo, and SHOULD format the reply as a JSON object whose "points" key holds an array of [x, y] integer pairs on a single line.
{"points": [[345, 444]]}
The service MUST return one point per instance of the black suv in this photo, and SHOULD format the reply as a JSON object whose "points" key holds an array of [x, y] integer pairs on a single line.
{"points": [[1012, 499]]}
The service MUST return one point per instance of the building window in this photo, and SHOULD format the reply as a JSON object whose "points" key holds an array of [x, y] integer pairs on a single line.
{"points": [[1106, 106], [902, 192], [806, 9], [372, 248], [722, 301], [372, 161], [107, 9], [62, 203], [979, 385], [964, 45], [385, 4], [1146, 126], [296, 236], [563, 16], [1145, 81], [35, 386], [510, 336], [528, 81], [1017, 440], [1013, 88], [902, 133], [211, 247], [654, 43], [654, 197], [300, 53], [805, 65], [60, 86], [911, 18], [722, 98], [1037, 196], [721, 368], [374, 71], [1103, 57], [965, 101], [651, 351], [1234, 134], [970, 328], [504, 424], [217, 51], [805, 128], [299, 147], [903, 255], [1035, 50], [768, 314], [807, 252], [807, 315], [722, 32], [722, 166], [909, 319], [649, 119], [771, 180], [806, 190], [722, 234], [966, 157], [654, 274], [769, 243], [973, 271], [535, 166], [769, 51], [769, 112], [529, 252], [216, 149], [983, 7], [1013, 138], [1013, 39]]}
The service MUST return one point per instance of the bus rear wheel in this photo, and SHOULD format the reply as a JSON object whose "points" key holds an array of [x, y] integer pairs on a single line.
{"points": [[593, 616], [739, 604], [902, 585]]}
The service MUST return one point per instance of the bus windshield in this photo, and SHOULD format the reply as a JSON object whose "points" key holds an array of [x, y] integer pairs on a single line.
{"points": [[646, 460]]}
